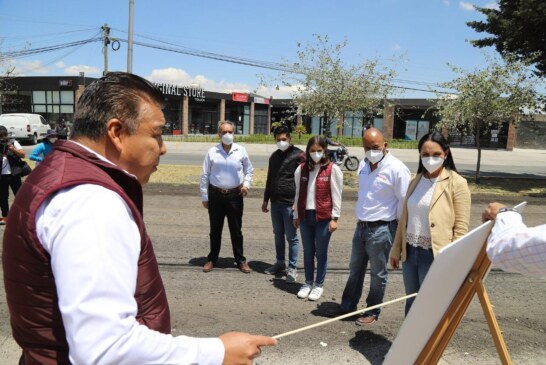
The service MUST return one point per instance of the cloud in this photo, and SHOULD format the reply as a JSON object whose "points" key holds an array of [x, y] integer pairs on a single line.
{"points": [[446, 2], [492, 5], [466, 6], [24, 67], [60, 64], [76, 69], [396, 48], [177, 76]]}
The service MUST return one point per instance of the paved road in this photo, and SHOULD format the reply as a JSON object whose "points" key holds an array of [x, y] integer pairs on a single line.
{"points": [[520, 162]]}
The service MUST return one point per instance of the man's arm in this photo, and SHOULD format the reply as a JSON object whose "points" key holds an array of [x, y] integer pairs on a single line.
{"points": [[267, 189], [512, 246], [248, 170], [37, 153], [403, 177], [205, 180]]}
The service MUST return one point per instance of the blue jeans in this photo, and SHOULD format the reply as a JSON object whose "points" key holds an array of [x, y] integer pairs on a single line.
{"points": [[283, 226], [369, 245], [315, 238], [414, 270]]}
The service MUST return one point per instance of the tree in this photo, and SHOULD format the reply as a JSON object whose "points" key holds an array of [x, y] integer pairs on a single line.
{"points": [[489, 97], [323, 84], [517, 28]]}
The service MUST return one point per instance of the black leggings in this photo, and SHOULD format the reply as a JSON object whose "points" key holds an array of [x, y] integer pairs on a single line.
{"points": [[7, 181]]}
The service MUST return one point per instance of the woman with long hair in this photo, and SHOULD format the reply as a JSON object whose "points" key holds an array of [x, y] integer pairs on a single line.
{"points": [[317, 207], [436, 212]]}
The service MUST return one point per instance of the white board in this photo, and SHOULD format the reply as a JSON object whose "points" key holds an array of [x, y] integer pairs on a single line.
{"points": [[446, 275]]}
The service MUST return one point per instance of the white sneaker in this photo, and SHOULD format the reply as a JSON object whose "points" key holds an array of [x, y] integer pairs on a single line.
{"points": [[291, 275], [304, 291], [316, 293]]}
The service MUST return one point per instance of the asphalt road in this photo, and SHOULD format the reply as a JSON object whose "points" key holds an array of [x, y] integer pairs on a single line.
{"points": [[225, 299]]}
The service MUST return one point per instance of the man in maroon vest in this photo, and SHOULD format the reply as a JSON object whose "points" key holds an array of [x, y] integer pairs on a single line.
{"points": [[81, 277]]}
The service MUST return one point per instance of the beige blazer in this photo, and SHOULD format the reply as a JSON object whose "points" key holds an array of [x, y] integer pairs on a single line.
{"points": [[448, 216]]}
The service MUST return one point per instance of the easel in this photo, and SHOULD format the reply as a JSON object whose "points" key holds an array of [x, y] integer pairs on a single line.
{"points": [[436, 345]]}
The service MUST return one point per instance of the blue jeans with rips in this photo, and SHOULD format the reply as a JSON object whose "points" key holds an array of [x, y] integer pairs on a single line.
{"points": [[283, 227], [373, 245], [414, 270], [315, 237]]}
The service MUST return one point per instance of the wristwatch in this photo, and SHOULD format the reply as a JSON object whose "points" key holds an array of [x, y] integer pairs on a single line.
{"points": [[506, 209], [334, 219]]}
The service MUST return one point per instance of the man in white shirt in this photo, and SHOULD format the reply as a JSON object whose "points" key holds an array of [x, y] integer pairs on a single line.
{"points": [[77, 261], [382, 184], [225, 180], [512, 246]]}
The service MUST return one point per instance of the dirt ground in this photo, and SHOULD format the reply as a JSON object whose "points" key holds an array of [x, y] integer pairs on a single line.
{"points": [[226, 299]]}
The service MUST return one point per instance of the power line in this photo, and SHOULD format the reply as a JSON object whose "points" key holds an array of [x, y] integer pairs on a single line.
{"points": [[32, 51]]}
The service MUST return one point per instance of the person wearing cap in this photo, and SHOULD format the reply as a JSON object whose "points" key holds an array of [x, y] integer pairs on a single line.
{"points": [[10, 148], [45, 147]]}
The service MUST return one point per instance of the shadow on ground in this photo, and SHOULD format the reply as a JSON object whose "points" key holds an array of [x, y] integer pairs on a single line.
{"points": [[372, 346], [280, 283]]}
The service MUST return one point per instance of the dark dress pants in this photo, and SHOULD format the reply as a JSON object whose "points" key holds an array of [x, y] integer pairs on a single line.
{"points": [[220, 206], [7, 181]]}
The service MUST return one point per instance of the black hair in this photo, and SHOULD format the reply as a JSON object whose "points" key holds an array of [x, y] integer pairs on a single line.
{"points": [[281, 130], [438, 138], [3, 131], [115, 95], [322, 143]]}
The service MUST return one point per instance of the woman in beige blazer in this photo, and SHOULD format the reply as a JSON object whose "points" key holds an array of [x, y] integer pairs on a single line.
{"points": [[436, 212]]}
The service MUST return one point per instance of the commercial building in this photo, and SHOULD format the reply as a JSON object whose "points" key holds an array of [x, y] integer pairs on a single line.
{"points": [[190, 110]]}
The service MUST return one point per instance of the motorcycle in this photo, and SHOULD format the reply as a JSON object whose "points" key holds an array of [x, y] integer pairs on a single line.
{"points": [[342, 158]]}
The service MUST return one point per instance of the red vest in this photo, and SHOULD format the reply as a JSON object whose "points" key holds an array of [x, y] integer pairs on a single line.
{"points": [[323, 192], [29, 283]]}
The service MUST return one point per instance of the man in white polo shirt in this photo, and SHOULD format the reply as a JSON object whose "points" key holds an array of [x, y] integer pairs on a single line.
{"points": [[382, 184]]}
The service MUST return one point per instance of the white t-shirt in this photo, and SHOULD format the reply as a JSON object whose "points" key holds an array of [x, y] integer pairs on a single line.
{"points": [[6, 168], [418, 228]]}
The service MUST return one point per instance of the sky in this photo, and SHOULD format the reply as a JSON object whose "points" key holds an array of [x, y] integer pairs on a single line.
{"points": [[417, 38]]}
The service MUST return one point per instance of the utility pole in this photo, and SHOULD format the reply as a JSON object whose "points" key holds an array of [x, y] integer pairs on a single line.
{"points": [[130, 43], [106, 42]]}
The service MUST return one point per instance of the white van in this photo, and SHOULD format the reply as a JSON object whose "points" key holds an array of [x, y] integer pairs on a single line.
{"points": [[25, 127]]}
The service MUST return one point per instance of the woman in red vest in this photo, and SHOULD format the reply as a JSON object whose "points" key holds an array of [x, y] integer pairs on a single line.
{"points": [[319, 183]]}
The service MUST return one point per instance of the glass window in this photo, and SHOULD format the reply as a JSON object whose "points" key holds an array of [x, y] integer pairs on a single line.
{"points": [[67, 109], [38, 97], [55, 97], [55, 108], [67, 97], [38, 108]]}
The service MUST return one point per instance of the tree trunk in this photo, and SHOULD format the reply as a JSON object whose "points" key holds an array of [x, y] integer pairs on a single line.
{"points": [[479, 153], [339, 126]]}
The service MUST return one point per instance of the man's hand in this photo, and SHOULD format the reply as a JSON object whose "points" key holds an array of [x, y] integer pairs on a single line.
{"points": [[244, 191], [264, 207], [296, 223], [205, 204], [242, 348], [490, 213], [332, 226], [395, 263]]}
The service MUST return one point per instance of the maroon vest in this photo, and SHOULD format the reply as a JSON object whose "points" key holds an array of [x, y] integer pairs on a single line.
{"points": [[29, 283], [323, 192]]}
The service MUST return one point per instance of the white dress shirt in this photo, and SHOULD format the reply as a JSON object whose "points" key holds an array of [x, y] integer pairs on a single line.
{"points": [[381, 192], [94, 244], [336, 187], [6, 168], [512, 246], [226, 170]]}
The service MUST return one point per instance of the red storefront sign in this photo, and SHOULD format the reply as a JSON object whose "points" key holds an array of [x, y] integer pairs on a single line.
{"points": [[242, 97]]}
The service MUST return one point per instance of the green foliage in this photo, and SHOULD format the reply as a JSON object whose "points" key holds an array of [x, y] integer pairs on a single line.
{"points": [[299, 130], [517, 28], [323, 84]]}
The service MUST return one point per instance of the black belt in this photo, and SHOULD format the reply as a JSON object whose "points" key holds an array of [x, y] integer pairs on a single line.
{"points": [[372, 224], [226, 191]]}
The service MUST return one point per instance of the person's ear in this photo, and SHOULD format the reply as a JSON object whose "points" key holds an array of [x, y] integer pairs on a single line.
{"points": [[114, 132]]}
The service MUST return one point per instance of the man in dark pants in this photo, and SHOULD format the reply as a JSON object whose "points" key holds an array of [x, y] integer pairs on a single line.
{"points": [[227, 174], [280, 188], [9, 149]]}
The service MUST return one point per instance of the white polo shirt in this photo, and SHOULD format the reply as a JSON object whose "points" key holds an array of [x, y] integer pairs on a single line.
{"points": [[381, 192]]}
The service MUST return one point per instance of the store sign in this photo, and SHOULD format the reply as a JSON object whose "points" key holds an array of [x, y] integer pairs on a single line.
{"points": [[261, 100], [242, 97], [65, 83], [197, 93]]}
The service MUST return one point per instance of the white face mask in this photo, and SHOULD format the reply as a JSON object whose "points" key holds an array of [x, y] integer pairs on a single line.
{"points": [[316, 156], [374, 156], [432, 163], [52, 139], [283, 145], [227, 138]]}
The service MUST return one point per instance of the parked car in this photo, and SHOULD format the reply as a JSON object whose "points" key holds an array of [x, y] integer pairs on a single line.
{"points": [[25, 127]]}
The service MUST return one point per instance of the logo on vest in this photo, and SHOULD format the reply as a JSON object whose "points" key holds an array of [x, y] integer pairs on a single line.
{"points": [[324, 178]]}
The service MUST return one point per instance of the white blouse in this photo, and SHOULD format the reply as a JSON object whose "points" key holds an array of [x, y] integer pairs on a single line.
{"points": [[418, 228]]}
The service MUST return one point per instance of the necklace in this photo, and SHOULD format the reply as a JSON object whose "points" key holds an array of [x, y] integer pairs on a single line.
{"points": [[431, 180]]}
